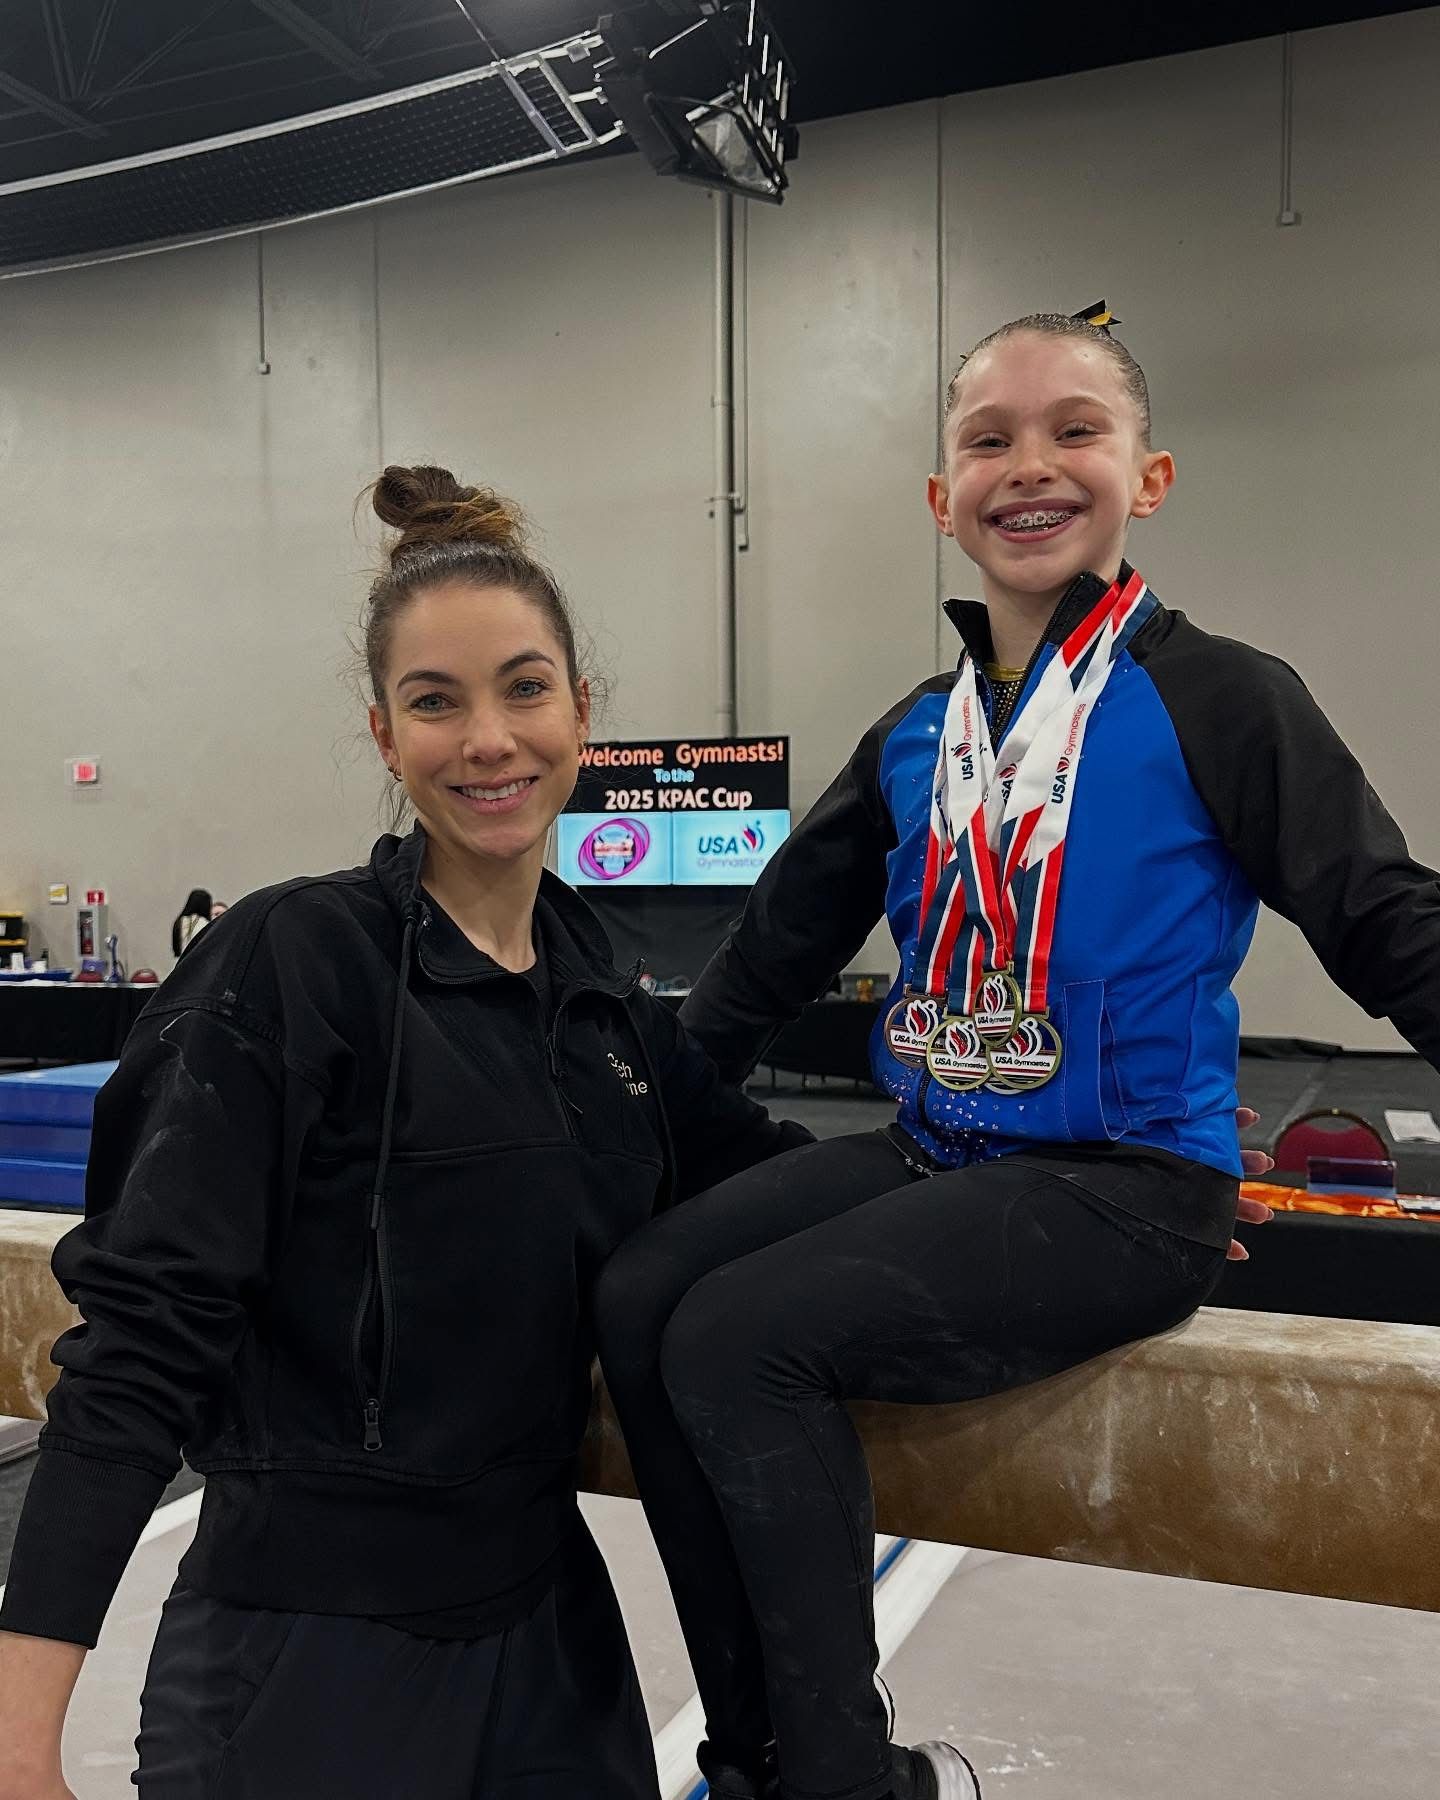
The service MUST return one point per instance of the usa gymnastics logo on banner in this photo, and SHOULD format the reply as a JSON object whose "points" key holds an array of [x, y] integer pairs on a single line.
{"points": [[748, 841], [732, 851], [726, 847], [614, 849]]}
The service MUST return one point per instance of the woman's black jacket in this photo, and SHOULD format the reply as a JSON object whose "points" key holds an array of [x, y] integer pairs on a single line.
{"points": [[347, 1196]]}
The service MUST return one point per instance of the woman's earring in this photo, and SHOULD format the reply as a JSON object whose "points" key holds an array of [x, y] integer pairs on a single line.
{"points": [[395, 774]]}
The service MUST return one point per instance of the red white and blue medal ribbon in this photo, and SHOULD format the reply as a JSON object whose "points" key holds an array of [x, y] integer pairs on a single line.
{"points": [[993, 863]]}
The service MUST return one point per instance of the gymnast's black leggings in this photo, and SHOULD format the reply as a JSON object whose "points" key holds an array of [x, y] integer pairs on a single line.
{"points": [[733, 1328]]}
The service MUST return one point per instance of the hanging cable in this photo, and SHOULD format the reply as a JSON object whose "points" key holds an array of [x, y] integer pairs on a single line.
{"points": [[262, 362], [1287, 214]]}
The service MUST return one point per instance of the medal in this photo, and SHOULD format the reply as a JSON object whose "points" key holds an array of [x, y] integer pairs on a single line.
{"points": [[910, 1026], [916, 1017], [997, 1007], [1028, 1058], [956, 1057], [989, 898]]}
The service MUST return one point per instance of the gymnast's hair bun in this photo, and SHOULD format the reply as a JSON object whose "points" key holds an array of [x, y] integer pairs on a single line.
{"points": [[429, 506]]}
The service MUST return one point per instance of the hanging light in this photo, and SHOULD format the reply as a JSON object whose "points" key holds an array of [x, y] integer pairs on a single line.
{"points": [[738, 137]]}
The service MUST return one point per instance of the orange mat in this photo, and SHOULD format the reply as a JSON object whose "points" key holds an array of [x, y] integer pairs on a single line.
{"points": [[1354, 1206]]}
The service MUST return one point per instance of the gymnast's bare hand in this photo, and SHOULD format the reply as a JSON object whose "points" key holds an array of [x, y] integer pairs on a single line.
{"points": [[1254, 1162]]}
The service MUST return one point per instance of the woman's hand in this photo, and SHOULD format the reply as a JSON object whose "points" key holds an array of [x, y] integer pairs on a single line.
{"points": [[1254, 1162], [31, 1771], [22, 1785], [37, 1677]]}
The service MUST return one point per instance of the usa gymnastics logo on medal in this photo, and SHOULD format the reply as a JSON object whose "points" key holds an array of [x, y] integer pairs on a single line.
{"points": [[615, 848]]}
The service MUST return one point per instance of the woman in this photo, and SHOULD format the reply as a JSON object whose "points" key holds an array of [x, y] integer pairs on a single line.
{"points": [[348, 1193]]}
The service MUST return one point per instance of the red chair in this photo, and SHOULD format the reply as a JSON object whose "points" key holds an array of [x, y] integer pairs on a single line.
{"points": [[1329, 1132]]}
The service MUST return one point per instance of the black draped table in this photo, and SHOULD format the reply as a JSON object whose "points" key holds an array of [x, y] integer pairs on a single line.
{"points": [[64, 1021]]}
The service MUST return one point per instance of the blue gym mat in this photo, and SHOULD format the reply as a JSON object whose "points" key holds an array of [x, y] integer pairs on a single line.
{"points": [[53, 1096], [45, 1117], [44, 1143], [26, 1182]]}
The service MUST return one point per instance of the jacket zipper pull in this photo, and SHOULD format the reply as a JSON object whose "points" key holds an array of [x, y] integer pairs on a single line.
{"points": [[372, 1424]]}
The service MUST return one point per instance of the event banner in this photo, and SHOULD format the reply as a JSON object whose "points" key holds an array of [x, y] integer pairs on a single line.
{"points": [[676, 812], [639, 849], [684, 775]]}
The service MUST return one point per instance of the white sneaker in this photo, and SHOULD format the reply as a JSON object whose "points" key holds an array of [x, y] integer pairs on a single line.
{"points": [[954, 1777]]}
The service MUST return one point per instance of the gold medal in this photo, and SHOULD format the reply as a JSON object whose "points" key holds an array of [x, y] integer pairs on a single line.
{"points": [[1028, 1058], [957, 1057], [910, 1026]]}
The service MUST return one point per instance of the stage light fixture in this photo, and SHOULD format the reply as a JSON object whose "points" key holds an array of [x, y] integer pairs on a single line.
{"points": [[739, 137]]}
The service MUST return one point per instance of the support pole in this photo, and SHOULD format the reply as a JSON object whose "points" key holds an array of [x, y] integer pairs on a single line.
{"points": [[722, 505]]}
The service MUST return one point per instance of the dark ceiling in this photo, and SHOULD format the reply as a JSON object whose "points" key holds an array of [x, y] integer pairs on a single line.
{"points": [[86, 81]]}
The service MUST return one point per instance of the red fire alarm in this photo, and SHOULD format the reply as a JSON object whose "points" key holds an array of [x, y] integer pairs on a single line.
{"points": [[84, 771]]}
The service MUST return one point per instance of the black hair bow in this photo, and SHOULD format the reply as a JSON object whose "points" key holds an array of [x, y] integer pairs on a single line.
{"points": [[1099, 315]]}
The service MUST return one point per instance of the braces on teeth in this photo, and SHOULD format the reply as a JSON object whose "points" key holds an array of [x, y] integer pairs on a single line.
{"points": [[1034, 521]]}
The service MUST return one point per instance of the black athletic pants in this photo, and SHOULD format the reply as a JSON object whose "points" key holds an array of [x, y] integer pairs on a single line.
{"points": [[733, 1328], [248, 1705]]}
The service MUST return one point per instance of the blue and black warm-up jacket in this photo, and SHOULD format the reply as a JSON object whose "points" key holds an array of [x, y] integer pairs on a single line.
{"points": [[1209, 780]]}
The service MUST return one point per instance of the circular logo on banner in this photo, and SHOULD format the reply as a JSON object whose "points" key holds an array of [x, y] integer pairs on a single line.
{"points": [[910, 1027], [613, 849], [957, 1058], [1028, 1058]]}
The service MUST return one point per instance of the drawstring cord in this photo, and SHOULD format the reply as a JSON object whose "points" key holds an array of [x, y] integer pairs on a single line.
{"points": [[373, 1440], [557, 1071], [392, 1079]]}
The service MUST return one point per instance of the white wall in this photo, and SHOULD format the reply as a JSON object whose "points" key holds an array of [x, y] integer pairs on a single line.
{"points": [[180, 560], [550, 334], [178, 574]]}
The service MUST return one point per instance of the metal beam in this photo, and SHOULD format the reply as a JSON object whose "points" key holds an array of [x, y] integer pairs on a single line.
{"points": [[318, 38], [97, 47], [517, 93], [413, 18], [173, 42], [59, 48], [203, 106], [46, 103]]}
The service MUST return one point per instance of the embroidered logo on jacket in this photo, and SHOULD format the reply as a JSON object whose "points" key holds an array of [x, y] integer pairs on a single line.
{"points": [[627, 1074]]}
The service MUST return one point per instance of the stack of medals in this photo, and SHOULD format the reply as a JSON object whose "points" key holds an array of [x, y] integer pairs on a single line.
{"points": [[975, 1012]]}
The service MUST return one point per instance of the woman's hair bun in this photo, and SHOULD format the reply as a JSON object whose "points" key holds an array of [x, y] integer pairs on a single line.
{"points": [[429, 506]]}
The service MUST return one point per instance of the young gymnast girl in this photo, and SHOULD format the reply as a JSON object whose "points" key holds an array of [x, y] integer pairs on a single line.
{"points": [[1070, 835]]}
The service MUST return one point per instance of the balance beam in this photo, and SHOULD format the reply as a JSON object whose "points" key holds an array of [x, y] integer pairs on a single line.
{"points": [[1259, 1449], [33, 1311]]}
